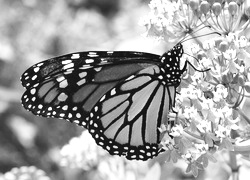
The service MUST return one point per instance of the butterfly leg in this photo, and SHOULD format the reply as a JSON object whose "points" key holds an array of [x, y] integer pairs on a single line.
{"points": [[188, 63]]}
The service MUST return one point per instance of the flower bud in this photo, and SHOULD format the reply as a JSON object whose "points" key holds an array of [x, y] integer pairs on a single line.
{"points": [[208, 94], [186, 1], [204, 7], [223, 46], [241, 80], [219, 1], [247, 87], [225, 79], [240, 1], [247, 11], [216, 8], [194, 4], [201, 55], [232, 8], [210, 1]]}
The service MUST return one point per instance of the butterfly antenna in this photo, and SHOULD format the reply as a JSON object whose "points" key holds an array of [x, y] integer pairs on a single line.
{"points": [[184, 40], [195, 31]]}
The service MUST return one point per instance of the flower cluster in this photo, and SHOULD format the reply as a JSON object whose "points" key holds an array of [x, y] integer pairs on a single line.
{"points": [[162, 21], [82, 152], [209, 103], [25, 172], [173, 19]]}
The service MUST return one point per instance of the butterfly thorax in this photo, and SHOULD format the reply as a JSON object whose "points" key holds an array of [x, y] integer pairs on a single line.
{"points": [[171, 65]]}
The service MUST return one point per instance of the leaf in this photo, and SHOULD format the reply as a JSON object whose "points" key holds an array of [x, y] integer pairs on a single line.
{"points": [[228, 144], [197, 104], [188, 168], [209, 140], [154, 172], [200, 158], [186, 142], [168, 155], [194, 170], [211, 157], [204, 161], [193, 126], [212, 135], [174, 156], [199, 165]]}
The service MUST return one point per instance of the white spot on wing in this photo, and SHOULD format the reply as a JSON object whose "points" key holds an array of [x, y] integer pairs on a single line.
{"points": [[87, 61], [66, 61], [98, 69], [33, 91], [63, 84], [62, 97], [65, 107], [40, 64], [82, 74], [103, 97], [75, 56], [85, 67], [34, 77], [60, 78], [81, 82], [92, 54], [78, 115], [113, 91], [67, 66], [36, 69]]}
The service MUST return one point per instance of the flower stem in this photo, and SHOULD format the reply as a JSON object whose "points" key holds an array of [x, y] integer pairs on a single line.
{"points": [[243, 115], [234, 166]]}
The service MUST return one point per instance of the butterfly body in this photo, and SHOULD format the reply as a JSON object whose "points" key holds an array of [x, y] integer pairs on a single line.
{"points": [[121, 97]]}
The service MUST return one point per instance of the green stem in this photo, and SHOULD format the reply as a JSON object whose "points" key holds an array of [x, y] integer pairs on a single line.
{"points": [[242, 114], [234, 166], [241, 149], [193, 135]]}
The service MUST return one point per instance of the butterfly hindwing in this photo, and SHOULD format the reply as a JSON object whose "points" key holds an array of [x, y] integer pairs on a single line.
{"points": [[126, 119], [69, 86]]}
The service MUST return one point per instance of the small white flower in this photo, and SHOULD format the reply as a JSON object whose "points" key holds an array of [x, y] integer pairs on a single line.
{"points": [[222, 131], [204, 126], [190, 113], [230, 54], [208, 44], [242, 42], [201, 148], [177, 130], [220, 93], [195, 48]]}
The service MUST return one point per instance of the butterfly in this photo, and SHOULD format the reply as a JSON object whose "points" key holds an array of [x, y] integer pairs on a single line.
{"points": [[120, 97]]}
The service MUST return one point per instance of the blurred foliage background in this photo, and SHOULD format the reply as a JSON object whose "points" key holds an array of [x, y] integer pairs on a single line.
{"points": [[33, 30]]}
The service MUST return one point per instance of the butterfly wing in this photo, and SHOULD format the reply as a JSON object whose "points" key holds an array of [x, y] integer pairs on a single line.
{"points": [[126, 119], [69, 86]]}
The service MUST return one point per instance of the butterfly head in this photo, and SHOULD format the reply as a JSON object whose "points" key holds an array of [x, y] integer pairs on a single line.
{"points": [[171, 64]]}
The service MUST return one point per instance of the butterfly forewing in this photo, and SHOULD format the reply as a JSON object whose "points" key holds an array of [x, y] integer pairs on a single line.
{"points": [[69, 86]]}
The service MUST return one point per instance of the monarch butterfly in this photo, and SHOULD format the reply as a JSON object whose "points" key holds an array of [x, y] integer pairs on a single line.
{"points": [[121, 97]]}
